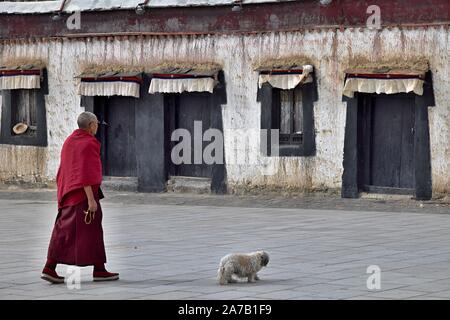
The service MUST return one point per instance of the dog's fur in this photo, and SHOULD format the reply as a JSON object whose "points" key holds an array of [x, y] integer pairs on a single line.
{"points": [[241, 265]]}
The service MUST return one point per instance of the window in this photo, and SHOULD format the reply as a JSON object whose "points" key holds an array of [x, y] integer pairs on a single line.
{"points": [[289, 117], [291, 112], [23, 120], [25, 106], [23, 110]]}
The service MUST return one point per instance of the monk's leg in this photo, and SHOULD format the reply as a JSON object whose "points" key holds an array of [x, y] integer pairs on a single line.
{"points": [[61, 245], [51, 264], [100, 273]]}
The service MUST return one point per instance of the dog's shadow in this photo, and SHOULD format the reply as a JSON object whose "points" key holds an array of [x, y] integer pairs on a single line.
{"points": [[261, 282]]}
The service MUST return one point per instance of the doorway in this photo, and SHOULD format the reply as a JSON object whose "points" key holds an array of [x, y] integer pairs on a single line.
{"points": [[386, 143], [183, 111], [118, 149]]}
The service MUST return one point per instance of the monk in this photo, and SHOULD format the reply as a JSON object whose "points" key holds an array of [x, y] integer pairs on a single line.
{"points": [[77, 237]]}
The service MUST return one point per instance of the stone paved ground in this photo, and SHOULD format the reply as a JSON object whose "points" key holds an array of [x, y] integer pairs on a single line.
{"points": [[167, 246]]}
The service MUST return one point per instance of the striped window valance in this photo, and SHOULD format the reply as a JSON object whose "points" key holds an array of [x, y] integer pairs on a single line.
{"points": [[178, 83], [286, 79], [110, 84], [388, 77], [17, 78], [178, 77]]}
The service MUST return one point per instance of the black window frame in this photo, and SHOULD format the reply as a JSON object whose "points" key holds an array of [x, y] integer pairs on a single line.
{"points": [[269, 97], [7, 136]]}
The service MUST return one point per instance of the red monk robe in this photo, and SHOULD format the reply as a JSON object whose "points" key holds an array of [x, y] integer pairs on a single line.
{"points": [[73, 241], [77, 238]]}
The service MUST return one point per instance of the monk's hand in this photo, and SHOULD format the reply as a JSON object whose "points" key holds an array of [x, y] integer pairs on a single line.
{"points": [[92, 205], [91, 200]]}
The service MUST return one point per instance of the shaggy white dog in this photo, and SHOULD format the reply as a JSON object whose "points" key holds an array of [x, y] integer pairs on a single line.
{"points": [[241, 265]]}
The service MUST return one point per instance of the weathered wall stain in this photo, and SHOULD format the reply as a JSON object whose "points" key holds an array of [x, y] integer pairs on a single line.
{"points": [[20, 164]]}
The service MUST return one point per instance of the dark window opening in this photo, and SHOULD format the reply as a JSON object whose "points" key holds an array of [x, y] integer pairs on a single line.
{"points": [[24, 106], [288, 116], [292, 113], [24, 110]]}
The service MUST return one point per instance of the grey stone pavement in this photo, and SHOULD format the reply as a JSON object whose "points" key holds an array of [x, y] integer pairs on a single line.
{"points": [[168, 246]]}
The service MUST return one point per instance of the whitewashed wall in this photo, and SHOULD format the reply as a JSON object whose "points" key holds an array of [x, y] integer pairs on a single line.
{"points": [[329, 49]]}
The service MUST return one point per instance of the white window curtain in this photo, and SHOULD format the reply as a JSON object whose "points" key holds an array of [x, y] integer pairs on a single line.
{"points": [[109, 88], [177, 85], [286, 81], [388, 86], [11, 82]]}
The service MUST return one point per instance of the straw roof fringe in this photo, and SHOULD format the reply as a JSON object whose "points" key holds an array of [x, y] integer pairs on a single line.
{"points": [[109, 69], [285, 63], [208, 68], [194, 68], [398, 65], [22, 63]]}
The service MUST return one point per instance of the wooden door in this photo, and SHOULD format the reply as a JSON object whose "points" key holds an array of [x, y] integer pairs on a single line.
{"points": [[185, 109], [118, 137], [388, 143]]}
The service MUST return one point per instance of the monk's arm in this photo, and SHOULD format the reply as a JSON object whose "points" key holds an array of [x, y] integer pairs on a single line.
{"points": [[91, 200]]}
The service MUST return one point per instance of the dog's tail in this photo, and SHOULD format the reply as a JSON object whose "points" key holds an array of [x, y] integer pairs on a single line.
{"points": [[221, 276]]}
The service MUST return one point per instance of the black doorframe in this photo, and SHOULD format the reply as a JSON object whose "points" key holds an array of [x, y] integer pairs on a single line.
{"points": [[422, 156]]}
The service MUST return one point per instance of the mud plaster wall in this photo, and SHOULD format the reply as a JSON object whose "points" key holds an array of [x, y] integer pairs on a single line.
{"points": [[330, 52]]}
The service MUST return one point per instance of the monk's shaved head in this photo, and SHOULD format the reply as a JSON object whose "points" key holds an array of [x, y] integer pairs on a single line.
{"points": [[85, 118]]}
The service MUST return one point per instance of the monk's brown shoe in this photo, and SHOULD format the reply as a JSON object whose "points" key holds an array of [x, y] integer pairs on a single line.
{"points": [[51, 276], [105, 276]]}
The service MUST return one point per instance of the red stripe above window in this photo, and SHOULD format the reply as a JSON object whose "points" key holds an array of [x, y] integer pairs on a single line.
{"points": [[20, 72], [283, 71], [179, 76], [384, 76], [100, 79]]}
